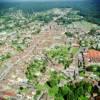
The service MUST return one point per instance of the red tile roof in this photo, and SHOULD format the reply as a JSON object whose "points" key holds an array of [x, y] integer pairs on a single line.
{"points": [[8, 93], [93, 55]]}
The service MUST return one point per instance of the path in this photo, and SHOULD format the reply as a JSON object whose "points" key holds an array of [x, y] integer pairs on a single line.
{"points": [[73, 68]]}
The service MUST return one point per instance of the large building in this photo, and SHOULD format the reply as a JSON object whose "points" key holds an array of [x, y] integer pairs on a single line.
{"points": [[92, 57]]}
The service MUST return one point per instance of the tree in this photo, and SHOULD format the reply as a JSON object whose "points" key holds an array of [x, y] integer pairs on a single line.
{"points": [[69, 34], [92, 31]]}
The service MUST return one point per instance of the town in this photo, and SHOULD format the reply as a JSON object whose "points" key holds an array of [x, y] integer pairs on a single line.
{"points": [[49, 55]]}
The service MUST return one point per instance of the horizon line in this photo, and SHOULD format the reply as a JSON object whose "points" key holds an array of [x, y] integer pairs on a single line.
{"points": [[43, 1]]}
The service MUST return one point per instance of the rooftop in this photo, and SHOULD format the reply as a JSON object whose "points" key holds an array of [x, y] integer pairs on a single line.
{"points": [[93, 55]]}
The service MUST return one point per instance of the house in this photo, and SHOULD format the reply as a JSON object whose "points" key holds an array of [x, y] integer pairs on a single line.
{"points": [[92, 57], [9, 93], [75, 45]]}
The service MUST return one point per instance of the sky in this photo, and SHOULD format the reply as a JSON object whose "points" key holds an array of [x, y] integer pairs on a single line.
{"points": [[38, 0], [30, 0]]}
